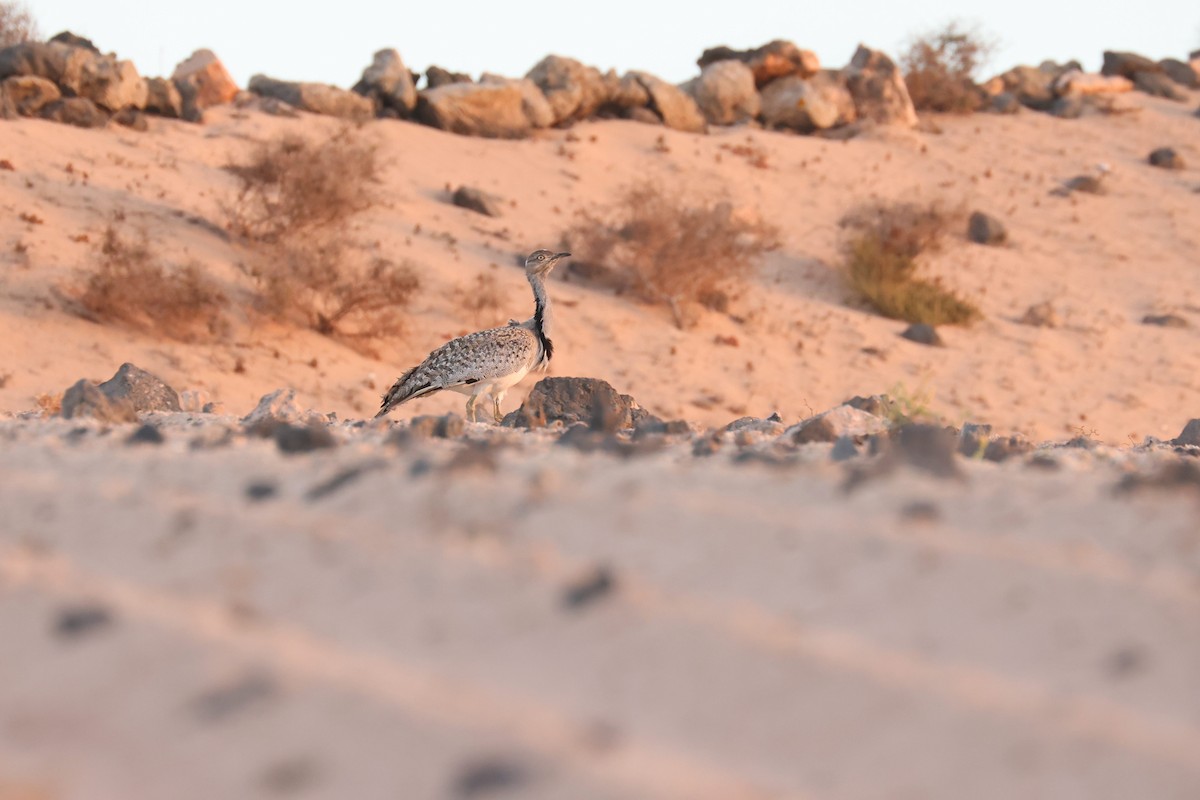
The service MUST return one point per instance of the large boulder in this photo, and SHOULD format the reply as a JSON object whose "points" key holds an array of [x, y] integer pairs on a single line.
{"points": [[533, 102], [317, 98], [573, 400], [573, 90], [163, 98], [1127, 65], [84, 399], [49, 60], [808, 104], [29, 94], [1182, 72], [773, 60], [437, 76], [1032, 86], [726, 93], [77, 111], [877, 86], [203, 82], [77, 70], [672, 105], [1157, 84], [389, 83], [497, 110]]}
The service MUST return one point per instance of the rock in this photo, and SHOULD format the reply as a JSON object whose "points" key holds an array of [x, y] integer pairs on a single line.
{"points": [[592, 586], [274, 409], [1127, 65], [570, 401], [771, 426], [163, 98], [436, 76], [673, 106], [316, 98], [973, 437], [478, 201], [85, 399], [1077, 82], [82, 619], [146, 434], [1069, 106], [878, 89], [72, 40], [50, 60], [131, 118], [29, 94], [291, 438], [1005, 103], [492, 110], [1166, 321], [1182, 72], [808, 104], [1040, 315], [389, 83], [79, 71], [533, 102], [844, 449], [1167, 158], [725, 93], [144, 390], [77, 111], [447, 426], [8, 109], [829, 426], [1089, 184], [1189, 436], [203, 82], [1032, 87], [1005, 447], [573, 90], [111, 84], [985, 229], [922, 333], [1157, 84], [879, 405], [928, 448], [777, 59]]}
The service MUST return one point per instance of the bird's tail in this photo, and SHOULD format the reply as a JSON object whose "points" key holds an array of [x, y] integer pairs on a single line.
{"points": [[406, 387]]}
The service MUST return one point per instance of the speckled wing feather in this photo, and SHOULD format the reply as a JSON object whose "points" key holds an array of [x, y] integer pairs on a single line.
{"points": [[468, 359]]}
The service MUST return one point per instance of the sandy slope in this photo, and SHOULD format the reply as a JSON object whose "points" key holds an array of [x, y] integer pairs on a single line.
{"points": [[1103, 261]]}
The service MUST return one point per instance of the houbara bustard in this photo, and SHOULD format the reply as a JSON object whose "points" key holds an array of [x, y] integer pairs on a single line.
{"points": [[486, 362]]}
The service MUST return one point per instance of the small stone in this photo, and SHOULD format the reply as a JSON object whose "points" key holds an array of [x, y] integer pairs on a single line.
{"points": [[478, 201], [985, 229], [302, 438], [836, 423], [1040, 315], [1005, 103], [428, 426], [258, 491], [844, 449], [922, 333], [930, 448], [490, 776], [1006, 447], [1167, 158], [80, 620], [598, 583], [146, 434], [1166, 321], [223, 702], [85, 399], [1069, 106]]}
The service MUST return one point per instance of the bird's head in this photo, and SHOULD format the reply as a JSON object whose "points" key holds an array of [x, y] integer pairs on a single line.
{"points": [[540, 262]]}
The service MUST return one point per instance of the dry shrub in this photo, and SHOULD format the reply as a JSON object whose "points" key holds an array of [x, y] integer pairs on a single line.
{"points": [[881, 262], [939, 69], [664, 251], [130, 285], [293, 184], [295, 197], [16, 24]]}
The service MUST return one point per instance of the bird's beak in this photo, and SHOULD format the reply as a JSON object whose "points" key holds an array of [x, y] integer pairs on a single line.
{"points": [[560, 255]]}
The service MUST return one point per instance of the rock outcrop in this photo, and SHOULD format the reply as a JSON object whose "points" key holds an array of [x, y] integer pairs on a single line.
{"points": [[774, 60], [877, 86], [202, 82], [389, 84], [726, 93], [495, 109], [317, 98], [808, 105]]}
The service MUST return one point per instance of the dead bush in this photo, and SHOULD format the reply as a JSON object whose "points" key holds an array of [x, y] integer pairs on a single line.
{"points": [[132, 286], [939, 69], [332, 288], [881, 262], [294, 184], [653, 244], [16, 24]]}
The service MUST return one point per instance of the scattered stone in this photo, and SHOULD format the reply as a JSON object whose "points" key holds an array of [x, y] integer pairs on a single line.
{"points": [[389, 84], [709, 444], [447, 426], [777, 59], [879, 405], [302, 438], [807, 105], [1005, 447], [81, 620], [163, 98], [143, 390], [573, 90], [131, 118], [1088, 184], [341, 479], [570, 401], [929, 448], [1189, 436], [202, 82], [1069, 106], [317, 98], [674, 107], [844, 449], [1005, 103], [1167, 158], [85, 399], [146, 434], [77, 111], [599, 582], [257, 491], [1166, 320], [73, 40], [493, 110], [923, 333], [878, 89], [435, 76], [1157, 84], [985, 229], [29, 94], [771, 426], [973, 438], [1183, 473], [1127, 65], [923, 512], [490, 776], [725, 93], [478, 201], [1182, 72], [831, 425], [275, 408], [1032, 87], [1041, 315], [223, 702]]}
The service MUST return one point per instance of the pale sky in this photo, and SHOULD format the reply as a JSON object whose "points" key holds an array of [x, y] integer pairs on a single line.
{"points": [[332, 42]]}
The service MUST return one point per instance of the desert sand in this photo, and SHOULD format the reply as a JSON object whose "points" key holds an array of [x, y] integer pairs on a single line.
{"points": [[499, 614]]}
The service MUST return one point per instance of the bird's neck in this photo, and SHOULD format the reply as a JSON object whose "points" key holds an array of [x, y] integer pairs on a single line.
{"points": [[541, 314]]}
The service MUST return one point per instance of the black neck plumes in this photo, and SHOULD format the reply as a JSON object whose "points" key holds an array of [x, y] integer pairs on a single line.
{"points": [[541, 306]]}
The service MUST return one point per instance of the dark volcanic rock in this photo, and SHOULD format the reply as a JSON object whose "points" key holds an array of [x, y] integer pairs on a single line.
{"points": [[143, 390], [389, 83], [831, 425], [447, 426], [435, 76], [1157, 84], [1167, 158], [1189, 436], [985, 229], [302, 438], [1069, 106], [921, 333], [572, 400], [478, 200], [1127, 65], [81, 620], [146, 434], [1181, 72], [77, 111], [85, 399], [1165, 320], [596, 584]]}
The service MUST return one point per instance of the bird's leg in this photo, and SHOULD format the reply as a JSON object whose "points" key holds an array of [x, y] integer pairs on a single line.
{"points": [[496, 409], [471, 408]]}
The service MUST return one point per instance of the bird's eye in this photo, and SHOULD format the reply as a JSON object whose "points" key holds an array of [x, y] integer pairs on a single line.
{"points": [[541, 258]]}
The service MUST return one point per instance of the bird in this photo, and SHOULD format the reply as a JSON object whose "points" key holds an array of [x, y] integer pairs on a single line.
{"points": [[1091, 183], [486, 362]]}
